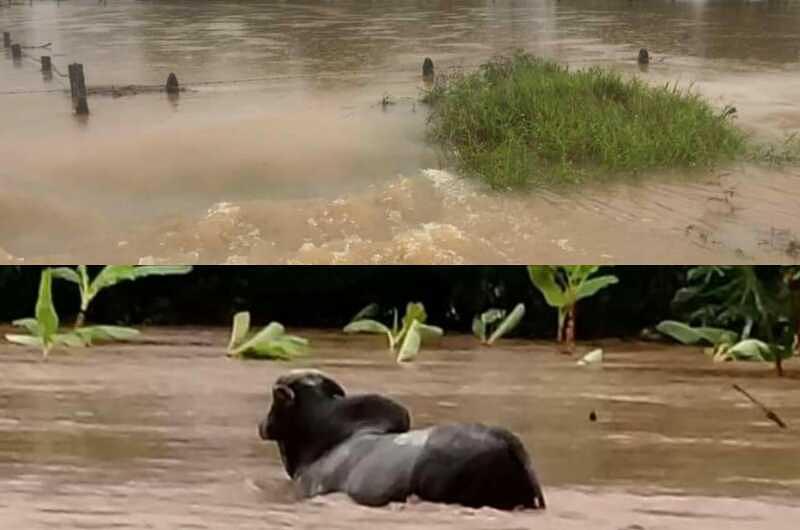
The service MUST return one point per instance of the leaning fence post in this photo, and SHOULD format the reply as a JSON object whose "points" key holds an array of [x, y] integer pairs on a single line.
{"points": [[427, 69], [77, 85], [16, 52], [6, 39], [172, 86], [47, 65]]}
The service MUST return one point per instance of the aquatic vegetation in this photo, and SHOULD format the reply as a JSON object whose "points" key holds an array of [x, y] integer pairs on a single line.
{"points": [[745, 350], [272, 342], [405, 337], [563, 286], [491, 325], [786, 152], [110, 275], [43, 329], [726, 345], [523, 120], [687, 334], [757, 301], [742, 297]]}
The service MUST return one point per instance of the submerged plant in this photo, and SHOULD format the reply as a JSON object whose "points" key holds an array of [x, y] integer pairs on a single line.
{"points": [[272, 342], [43, 328], [725, 345], [404, 338], [491, 325], [521, 119], [563, 286], [686, 334], [755, 301], [786, 152], [110, 275]]}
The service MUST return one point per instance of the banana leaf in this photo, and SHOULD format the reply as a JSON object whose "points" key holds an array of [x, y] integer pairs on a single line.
{"points": [[241, 326], [510, 322], [687, 334]]}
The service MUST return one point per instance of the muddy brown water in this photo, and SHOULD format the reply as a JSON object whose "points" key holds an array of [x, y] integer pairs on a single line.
{"points": [[163, 435], [286, 155]]}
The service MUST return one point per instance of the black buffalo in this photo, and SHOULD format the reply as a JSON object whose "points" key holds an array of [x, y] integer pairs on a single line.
{"points": [[362, 446]]}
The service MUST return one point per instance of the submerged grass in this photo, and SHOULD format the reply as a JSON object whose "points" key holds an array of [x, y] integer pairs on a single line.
{"points": [[524, 120]]}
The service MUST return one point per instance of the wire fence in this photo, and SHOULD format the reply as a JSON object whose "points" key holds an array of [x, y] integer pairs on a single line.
{"points": [[148, 87]]}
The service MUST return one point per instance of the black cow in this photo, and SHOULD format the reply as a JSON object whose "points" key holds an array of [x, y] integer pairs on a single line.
{"points": [[362, 446]]}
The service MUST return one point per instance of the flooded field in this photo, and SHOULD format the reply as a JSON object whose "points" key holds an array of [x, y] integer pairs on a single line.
{"points": [[281, 151], [163, 435]]}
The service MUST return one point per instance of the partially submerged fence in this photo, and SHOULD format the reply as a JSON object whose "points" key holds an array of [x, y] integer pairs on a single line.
{"points": [[77, 78], [80, 92]]}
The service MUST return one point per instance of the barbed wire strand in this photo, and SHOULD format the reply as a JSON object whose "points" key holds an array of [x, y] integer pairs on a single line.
{"points": [[190, 84]]}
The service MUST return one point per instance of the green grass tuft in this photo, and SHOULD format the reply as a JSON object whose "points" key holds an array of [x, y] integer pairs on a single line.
{"points": [[523, 120]]}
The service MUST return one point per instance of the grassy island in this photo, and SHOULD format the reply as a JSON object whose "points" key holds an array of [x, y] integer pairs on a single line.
{"points": [[523, 120]]}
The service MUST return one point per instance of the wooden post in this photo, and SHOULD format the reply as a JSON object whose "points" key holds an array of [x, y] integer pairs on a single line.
{"points": [[77, 84], [427, 69], [6, 39], [172, 86], [47, 65], [16, 52]]}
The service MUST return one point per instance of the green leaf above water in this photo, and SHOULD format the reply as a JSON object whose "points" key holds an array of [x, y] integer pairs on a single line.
{"points": [[369, 311], [31, 325], [407, 335], [46, 315], [409, 349], [544, 278], [241, 326], [92, 334], [271, 342], [689, 335], [592, 286], [367, 326], [482, 322], [508, 324]]}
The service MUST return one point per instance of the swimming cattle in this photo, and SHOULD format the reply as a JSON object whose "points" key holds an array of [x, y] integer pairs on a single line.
{"points": [[362, 446]]}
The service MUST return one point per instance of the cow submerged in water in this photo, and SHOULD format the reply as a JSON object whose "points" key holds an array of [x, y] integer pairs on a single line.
{"points": [[362, 446]]}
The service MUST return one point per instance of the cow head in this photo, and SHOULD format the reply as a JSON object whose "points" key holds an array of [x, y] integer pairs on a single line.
{"points": [[295, 398], [310, 414]]}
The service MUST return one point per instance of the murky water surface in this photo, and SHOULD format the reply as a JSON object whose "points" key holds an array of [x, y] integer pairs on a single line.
{"points": [[163, 435], [281, 151]]}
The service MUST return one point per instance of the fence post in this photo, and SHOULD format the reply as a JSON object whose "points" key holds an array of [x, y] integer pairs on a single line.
{"points": [[77, 85], [172, 86], [6, 39], [16, 52], [427, 69]]}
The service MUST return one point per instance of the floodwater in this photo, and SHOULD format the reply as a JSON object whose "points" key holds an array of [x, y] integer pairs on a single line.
{"points": [[163, 435], [281, 152]]}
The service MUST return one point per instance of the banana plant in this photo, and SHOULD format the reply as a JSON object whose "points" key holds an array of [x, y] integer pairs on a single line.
{"points": [[272, 342], [491, 325], [44, 332], [43, 328], [110, 275], [563, 286], [406, 337], [762, 303], [724, 344]]}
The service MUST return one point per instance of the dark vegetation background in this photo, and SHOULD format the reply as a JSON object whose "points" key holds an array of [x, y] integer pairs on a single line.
{"points": [[330, 296]]}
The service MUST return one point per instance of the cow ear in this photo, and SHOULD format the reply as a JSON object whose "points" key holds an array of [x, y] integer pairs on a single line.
{"points": [[332, 388], [283, 394]]}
